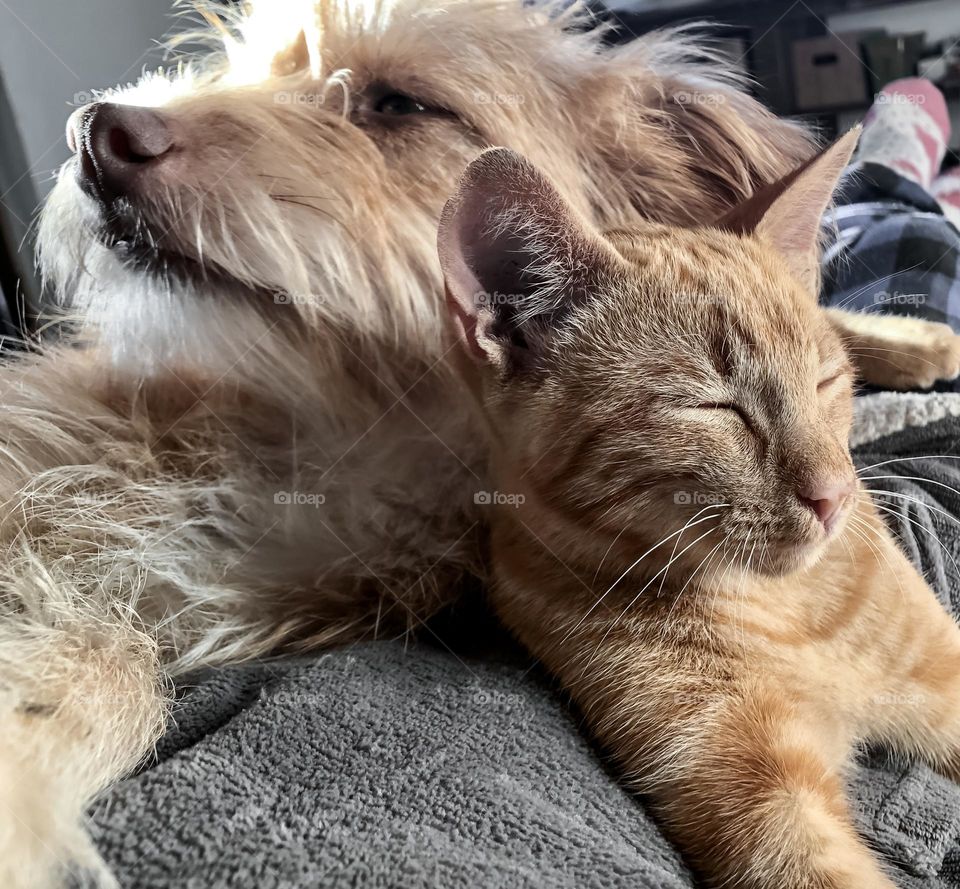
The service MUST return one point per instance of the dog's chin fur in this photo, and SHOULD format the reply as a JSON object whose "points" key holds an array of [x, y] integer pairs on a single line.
{"points": [[261, 446]]}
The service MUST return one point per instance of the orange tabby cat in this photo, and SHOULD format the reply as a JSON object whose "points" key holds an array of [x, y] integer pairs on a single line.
{"points": [[685, 544]]}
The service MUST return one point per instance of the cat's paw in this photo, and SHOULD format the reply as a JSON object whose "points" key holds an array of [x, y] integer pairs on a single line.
{"points": [[932, 354], [905, 353]]}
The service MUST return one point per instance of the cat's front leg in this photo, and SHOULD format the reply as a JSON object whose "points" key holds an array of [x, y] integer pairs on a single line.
{"points": [[916, 707], [746, 783], [896, 352], [755, 797]]}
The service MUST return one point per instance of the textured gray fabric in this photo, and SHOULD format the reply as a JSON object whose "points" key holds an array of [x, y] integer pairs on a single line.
{"points": [[911, 814], [384, 767], [379, 767]]}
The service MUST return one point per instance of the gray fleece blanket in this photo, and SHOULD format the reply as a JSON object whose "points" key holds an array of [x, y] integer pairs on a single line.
{"points": [[438, 765]]}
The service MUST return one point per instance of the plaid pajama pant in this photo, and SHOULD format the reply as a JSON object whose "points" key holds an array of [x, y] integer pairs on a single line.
{"points": [[889, 249]]}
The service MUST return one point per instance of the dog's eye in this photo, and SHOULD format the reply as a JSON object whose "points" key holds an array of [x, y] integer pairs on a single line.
{"points": [[398, 105]]}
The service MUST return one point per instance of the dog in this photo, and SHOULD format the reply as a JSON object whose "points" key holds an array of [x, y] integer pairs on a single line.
{"points": [[251, 439]]}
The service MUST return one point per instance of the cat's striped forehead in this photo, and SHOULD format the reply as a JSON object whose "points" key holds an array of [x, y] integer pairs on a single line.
{"points": [[716, 289]]}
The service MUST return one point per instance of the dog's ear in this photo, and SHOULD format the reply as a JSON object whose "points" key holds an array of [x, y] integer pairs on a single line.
{"points": [[515, 257], [667, 126], [786, 214]]}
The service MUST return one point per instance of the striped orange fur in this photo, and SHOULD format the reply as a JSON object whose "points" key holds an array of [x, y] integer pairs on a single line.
{"points": [[661, 401]]}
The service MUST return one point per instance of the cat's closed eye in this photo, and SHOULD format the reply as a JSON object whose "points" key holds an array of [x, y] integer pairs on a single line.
{"points": [[828, 381], [729, 407]]}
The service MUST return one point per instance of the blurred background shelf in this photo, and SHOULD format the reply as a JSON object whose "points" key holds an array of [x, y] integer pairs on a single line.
{"points": [[785, 45]]}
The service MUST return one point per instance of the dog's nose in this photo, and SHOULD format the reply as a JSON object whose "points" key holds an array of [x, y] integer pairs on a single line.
{"points": [[826, 498], [115, 146]]}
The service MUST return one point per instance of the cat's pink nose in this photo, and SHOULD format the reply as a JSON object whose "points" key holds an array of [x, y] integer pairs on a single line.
{"points": [[826, 498]]}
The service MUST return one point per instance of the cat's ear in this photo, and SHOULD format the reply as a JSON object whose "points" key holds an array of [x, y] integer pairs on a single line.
{"points": [[515, 256], [787, 213]]}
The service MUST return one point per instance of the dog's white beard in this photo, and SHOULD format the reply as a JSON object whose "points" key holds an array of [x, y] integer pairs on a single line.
{"points": [[283, 273]]}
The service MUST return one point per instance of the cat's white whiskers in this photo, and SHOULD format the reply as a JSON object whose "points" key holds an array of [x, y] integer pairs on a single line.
{"points": [[613, 543], [644, 588], [893, 513], [859, 524], [740, 603], [906, 459], [690, 524], [914, 478], [871, 352], [866, 287], [741, 547], [735, 601], [722, 566], [918, 501], [673, 554], [693, 574], [660, 543]]}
